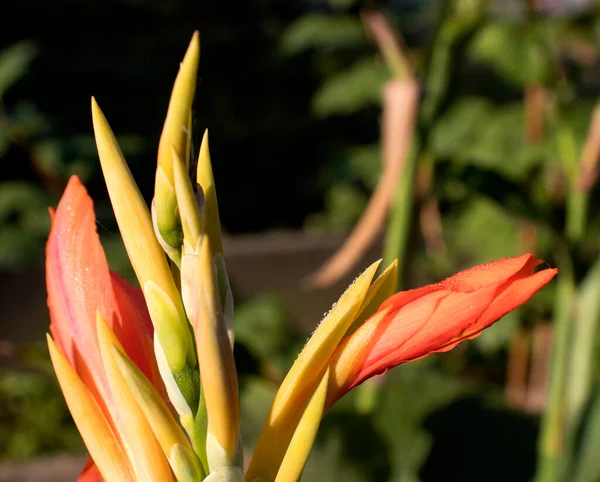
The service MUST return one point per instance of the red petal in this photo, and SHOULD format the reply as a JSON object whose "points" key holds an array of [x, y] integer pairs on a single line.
{"points": [[468, 280], [517, 292], [438, 317], [90, 473], [78, 283], [134, 328], [422, 327]]}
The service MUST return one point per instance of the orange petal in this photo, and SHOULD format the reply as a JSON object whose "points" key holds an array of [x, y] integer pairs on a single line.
{"points": [[78, 283], [434, 318], [468, 280], [90, 473], [134, 329]]}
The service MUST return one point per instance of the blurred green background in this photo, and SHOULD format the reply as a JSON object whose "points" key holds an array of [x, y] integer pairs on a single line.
{"points": [[503, 161]]}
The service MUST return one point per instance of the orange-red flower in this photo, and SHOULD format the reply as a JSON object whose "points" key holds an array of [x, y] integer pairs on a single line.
{"points": [[80, 285], [412, 324], [398, 328]]}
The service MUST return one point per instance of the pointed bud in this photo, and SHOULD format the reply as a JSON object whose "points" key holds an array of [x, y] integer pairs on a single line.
{"points": [[301, 379], [381, 289], [100, 440], [175, 134], [146, 255], [147, 458], [215, 357], [187, 204], [293, 463], [165, 427], [205, 179]]}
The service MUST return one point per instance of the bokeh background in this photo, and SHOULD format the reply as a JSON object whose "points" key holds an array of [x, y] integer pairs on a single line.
{"points": [[501, 159]]}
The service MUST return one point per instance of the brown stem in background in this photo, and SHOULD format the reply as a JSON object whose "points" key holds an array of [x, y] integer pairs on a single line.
{"points": [[535, 401], [528, 236], [534, 114], [388, 42], [590, 156], [431, 227], [400, 105], [516, 373], [517, 386]]}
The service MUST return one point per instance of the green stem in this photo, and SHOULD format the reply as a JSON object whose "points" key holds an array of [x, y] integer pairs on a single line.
{"points": [[577, 198], [399, 221], [553, 430], [577, 204]]}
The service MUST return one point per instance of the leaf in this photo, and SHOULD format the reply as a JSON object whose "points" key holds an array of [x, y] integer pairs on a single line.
{"points": [[411, 393], [14, 61], [515, 51], [453, 29], [261, 326], [353, 89], [586, 462], [256, 397], [364, 163], [476, 133], [318, 30], [335, 457], [344, 203], [584, 335]]}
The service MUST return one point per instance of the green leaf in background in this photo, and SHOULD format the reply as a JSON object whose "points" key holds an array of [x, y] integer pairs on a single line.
{"points": [[351, 90], [481, 232], [586, 463], [515, 51], [410, 394], [328, 462], [14, 61], [25, 222], [344, 203], [322, 31], [261, 325], [585, 331], [256, 397], [33, 416], [475, 132], [364, 162], [453, 29]]}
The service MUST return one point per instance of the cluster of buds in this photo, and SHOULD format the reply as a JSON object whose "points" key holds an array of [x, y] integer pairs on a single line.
{"points": [[149, 374]]}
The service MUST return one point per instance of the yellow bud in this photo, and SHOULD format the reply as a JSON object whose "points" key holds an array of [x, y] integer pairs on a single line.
{"points": [[145, 454], [176, 135], [293, 463], [165, 427], [187, 204], [215, 357], [212, 224], [100, 440], [381, 289], [164, 207], [300, 380], [175, 130], [146, 255]]}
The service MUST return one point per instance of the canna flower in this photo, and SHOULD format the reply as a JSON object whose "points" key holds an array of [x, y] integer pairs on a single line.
{"points": [[149, 375], [404, 327], [82, 294]]}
